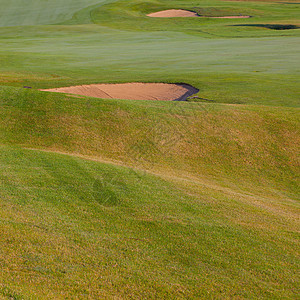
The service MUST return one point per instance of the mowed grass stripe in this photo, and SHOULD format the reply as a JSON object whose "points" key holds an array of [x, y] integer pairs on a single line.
{"points": [[37, 12]]}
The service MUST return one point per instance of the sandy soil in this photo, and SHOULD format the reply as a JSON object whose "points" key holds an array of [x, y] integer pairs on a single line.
{"points": [[173, 13], [131, 91]]}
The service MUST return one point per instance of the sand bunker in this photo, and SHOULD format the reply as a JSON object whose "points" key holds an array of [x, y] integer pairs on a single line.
{"points": [[131, 91], [173, 13]]}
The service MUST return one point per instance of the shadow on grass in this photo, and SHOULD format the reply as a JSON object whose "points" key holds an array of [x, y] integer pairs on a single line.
{"points": [[270, 26], [104, 193], [190, 91]]}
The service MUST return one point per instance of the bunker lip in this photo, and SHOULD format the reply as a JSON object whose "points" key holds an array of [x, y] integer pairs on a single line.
{"points": [[173, 13], [132, 91], [190, 91]]}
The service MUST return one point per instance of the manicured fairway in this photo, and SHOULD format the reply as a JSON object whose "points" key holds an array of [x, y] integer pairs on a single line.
{"points": [[85, 54], [36, 12], [141, 199]]}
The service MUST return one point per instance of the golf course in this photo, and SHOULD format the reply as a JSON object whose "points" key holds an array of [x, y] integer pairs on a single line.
{"points": [[149, 149]]}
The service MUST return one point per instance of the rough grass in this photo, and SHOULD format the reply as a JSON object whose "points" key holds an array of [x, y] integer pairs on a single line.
{"points": [[206, 140], [141, 199], [149, 239]]}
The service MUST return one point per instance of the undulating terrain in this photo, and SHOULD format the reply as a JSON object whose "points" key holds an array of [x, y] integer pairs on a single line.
{"points": [[141, 199]]}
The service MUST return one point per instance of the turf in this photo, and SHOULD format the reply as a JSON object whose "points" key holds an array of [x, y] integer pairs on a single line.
{"points": [[131, 15], [89, 54], [63, 235], [227, 63], [37, 12], [187, 137], [118, 199]]}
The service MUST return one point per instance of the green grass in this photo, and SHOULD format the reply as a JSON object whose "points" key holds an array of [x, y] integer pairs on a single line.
{"points": [[143, 199], [37, 12], [227, 64], [150, 239], [132, 15], [193, 138], [224, 70]]}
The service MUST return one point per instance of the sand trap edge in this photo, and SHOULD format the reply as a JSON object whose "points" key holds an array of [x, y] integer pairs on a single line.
{"points": [[173, 13], [131, 91], [182, 13]]}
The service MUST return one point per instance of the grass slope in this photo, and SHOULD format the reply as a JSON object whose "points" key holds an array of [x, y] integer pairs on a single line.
{"points": [[150, 239], [142, 199], [206, 140], [132, 15]]}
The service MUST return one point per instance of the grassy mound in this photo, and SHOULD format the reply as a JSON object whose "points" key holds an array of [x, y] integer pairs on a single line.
{"points": [[77, 228], [144, 199], [203, 140], [132, 15]]}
